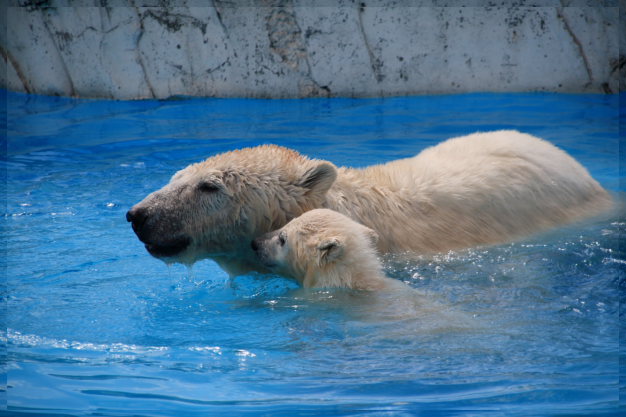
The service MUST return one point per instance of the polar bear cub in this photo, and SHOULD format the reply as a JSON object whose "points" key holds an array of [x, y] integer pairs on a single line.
{"points": [[323, 249]]}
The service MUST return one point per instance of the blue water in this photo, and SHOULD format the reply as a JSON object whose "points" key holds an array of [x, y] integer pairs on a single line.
{"points": [[95, 326]]}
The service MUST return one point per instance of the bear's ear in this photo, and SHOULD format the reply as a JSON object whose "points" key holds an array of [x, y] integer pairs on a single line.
{"points": [[329, 250], [317, 180]]}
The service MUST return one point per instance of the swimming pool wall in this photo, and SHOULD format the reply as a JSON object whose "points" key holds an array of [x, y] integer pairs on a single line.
{"points": [[125, 49]]}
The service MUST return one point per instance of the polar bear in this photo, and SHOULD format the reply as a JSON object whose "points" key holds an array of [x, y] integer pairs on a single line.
{"points": [[324, 249], [480, 189]]}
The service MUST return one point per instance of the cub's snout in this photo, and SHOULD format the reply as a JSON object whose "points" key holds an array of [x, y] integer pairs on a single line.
{"points": [[268, 248]]}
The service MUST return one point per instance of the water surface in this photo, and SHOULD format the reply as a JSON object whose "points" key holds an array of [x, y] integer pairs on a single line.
{"points": [[95, 326]]}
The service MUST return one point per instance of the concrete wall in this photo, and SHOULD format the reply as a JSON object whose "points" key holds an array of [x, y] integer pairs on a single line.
{"points": [[129, 49]]}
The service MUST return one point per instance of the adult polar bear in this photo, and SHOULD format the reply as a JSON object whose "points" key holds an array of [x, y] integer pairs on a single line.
{"points": [[480, 189]]}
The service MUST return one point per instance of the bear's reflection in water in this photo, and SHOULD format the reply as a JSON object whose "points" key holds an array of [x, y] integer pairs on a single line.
{"points": [[427, 312], [417, 310]]}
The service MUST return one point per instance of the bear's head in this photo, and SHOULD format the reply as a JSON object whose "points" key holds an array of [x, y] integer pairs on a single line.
{"points": [[215, 208], [321, 248]]}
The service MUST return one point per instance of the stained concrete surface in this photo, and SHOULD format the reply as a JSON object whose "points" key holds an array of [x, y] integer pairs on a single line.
{"points": [[296, 48]]}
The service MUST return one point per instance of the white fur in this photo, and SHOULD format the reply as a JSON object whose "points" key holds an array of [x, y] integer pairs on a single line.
{"points": [[325, 249], [480, 189], [484, 188]]}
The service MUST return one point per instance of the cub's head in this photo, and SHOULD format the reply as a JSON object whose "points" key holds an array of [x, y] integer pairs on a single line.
{"points": [[321, 248], [216, 207]]}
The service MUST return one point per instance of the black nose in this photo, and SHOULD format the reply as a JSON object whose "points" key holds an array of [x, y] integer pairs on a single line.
{"points": [[137, 216], [255, 245]]}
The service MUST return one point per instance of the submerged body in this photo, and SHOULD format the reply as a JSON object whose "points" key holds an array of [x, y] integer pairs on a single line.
{"points": [[480, 189]]}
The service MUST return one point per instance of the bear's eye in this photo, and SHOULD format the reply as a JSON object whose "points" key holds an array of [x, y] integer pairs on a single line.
{"points": [[282, 238], [208, 187]]}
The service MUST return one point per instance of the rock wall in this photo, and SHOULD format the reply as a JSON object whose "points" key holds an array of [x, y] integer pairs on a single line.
{"points": [[129, 49]]}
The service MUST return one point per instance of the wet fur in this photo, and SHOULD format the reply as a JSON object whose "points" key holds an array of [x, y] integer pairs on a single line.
{"points": [[480, 189]]}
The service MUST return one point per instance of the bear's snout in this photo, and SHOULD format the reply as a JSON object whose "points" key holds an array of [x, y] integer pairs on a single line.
{"points": [[162, 236], [137, 217]]}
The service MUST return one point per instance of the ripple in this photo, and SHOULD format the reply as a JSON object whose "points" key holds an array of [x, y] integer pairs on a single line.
{"points": [[29, 340], [105, 377], [97, 326]]}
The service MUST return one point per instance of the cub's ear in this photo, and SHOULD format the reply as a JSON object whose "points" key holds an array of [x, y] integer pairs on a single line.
{"points": [[329, 250], [371, 235], [317, 180]]}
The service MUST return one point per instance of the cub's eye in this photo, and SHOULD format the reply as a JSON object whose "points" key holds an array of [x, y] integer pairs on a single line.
{"points": [[207, 187], [282, 238]]}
